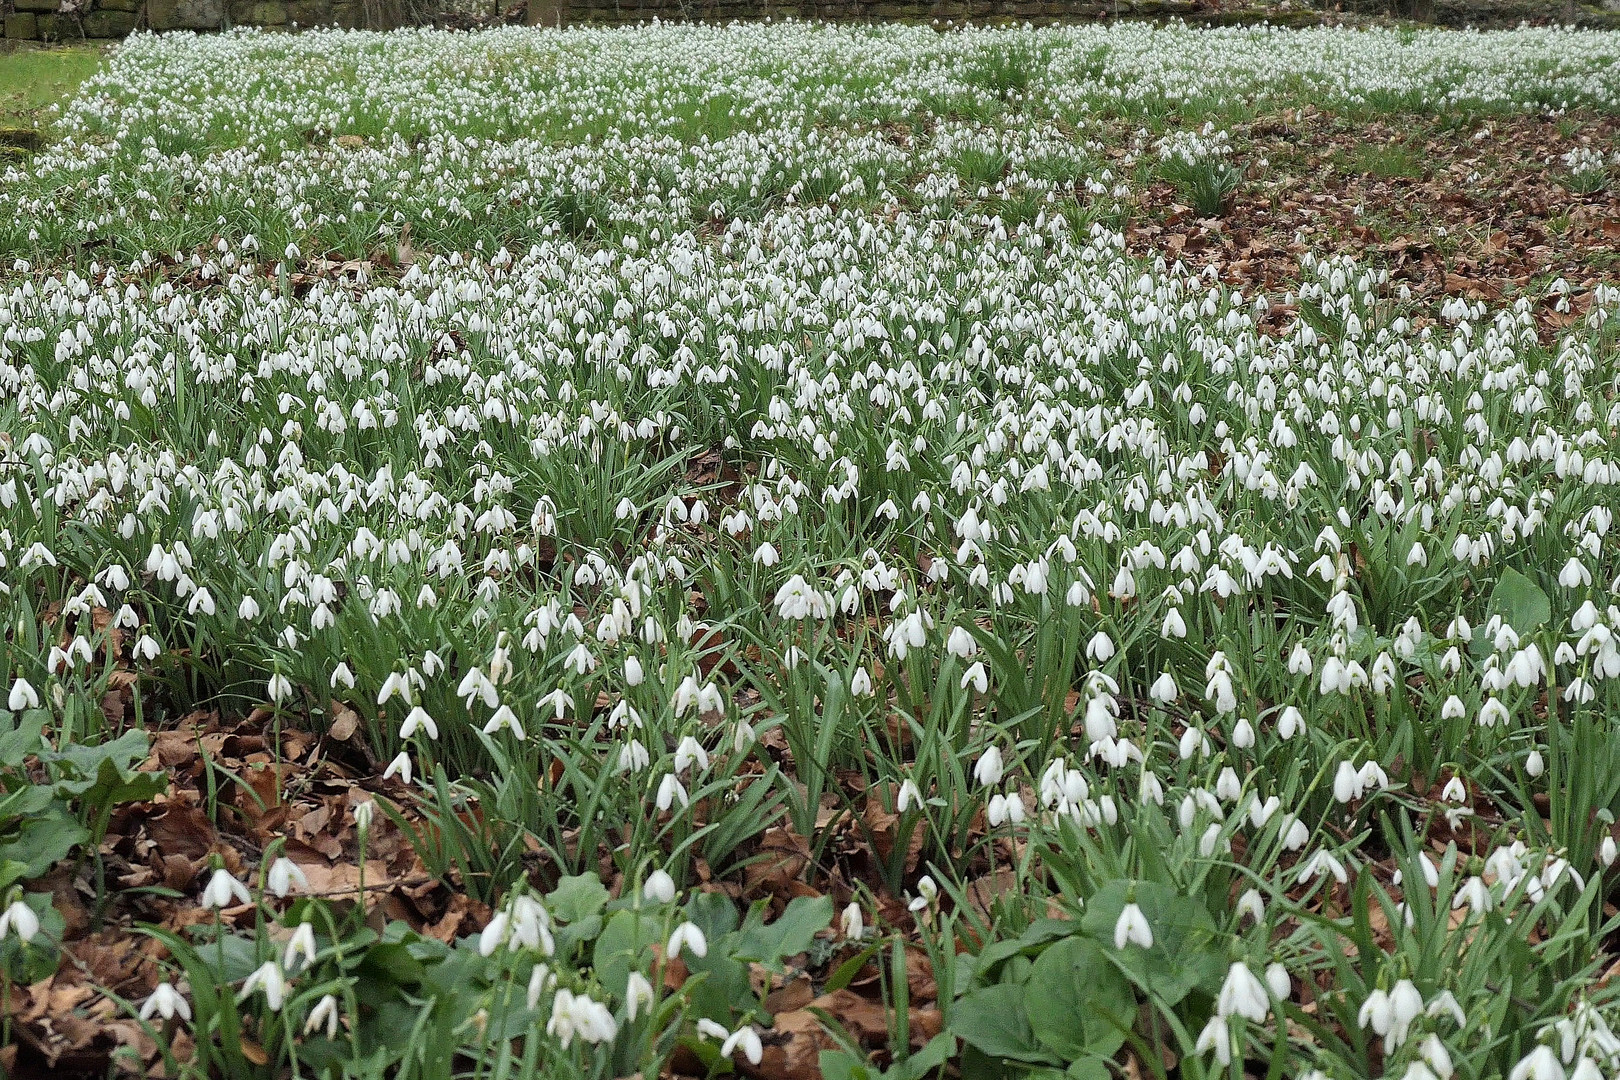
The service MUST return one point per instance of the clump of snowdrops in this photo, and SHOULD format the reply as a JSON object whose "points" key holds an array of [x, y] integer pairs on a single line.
{"points": [[715, 449]]}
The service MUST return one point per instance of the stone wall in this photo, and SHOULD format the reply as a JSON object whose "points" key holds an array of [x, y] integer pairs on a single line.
{"points": [[72, 20]]}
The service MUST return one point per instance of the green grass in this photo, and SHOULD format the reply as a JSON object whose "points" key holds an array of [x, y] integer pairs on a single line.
{"points": [[34, 79]]}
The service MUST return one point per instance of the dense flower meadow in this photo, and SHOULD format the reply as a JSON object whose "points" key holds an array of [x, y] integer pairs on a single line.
{"points": [[668, 439]]}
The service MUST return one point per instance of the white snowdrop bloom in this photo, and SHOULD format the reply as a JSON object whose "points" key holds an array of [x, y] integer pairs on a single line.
{"points": [[268, 979], [659, 887], [399, 766], [960, 643], [690, 752], [927, 893], [670, 790], [852, 922], [1299, 660], [860, 683], [1132, 928], [22, 696], [688, 936], [166, 1002], [747, 1040], [988, 770], [1476, 894], [633, 757], [418, 720], [908, 797], [638, 995], [1242, 994], [1493, 712], [1539, 1064], [300, 947], [977, 677], [1163, 691], [1251, 905], [1277, 982], [503, 717], [18, 918], [1100, 648], [223, 889], [1376, 1012], [1347, 783], [1322, 863], [283, 875], [1215, 1037]]}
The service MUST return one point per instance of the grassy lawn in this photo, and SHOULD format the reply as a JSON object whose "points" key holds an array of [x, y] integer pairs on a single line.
{"points": [[35, 80]]}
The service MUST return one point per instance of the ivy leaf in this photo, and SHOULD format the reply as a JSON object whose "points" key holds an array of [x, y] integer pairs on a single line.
{"points": [[1079, 1004], [577, 898], [993, 1021], [1520, 602], [793, 932], [1186, 952]]}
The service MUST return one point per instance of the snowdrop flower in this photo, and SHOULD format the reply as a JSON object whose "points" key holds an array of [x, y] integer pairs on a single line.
{"points": [[1323, 862], [1100, 648], [977, 677], [689, 936], [280, 687], [1163, 691], [541, 980], [494, 934], [927, 892], [1433, 1052], [961, 644], [1405, 1006], [22, 696], [1476, 894], [418, 720], [1347, 785], [400, 766], [988, 770], [1252, 905], [221, 889], [1132, 928], [166, 1002], [1539, 1064], [20, 919], [1216, 1037], [1446, 1005], [908, 797], [283, 875], [363, 812], [1277, 981], [504, 717], [745, 1039], [269, 979], [860, 683], [325, 1013], [1242, 995], [690, 752], [638, 995], [659, 887], [633, 757], [1376, 1012], [852, 924], [670, 789], [301, 944]]}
